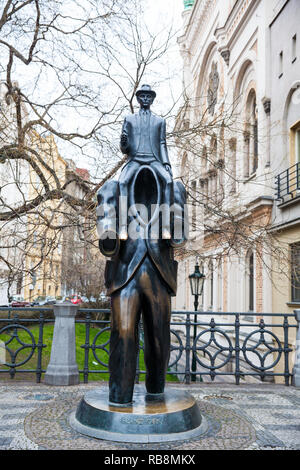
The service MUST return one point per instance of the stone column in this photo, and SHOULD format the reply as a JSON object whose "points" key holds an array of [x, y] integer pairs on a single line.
{"points": [[296, 378], [63, 369]]}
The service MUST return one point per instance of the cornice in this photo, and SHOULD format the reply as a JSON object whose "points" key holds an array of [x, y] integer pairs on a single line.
{"points": [[234, 23], [198, 20], [225, 36]]}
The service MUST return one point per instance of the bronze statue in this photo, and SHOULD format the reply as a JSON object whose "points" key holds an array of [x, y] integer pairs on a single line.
{"points": [[141, 276], [143, 139]]}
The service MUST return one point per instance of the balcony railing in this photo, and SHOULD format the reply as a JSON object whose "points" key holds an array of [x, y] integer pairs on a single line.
{"points": [[288, 184]]}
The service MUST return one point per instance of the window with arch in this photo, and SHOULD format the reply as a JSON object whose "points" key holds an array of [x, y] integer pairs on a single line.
{"points": [[220, 285], [212, 173], [194, 204], [251, 135], [296, 142], [221, 164], [204, 166], [295, 272], [294, 173], [250, 293], [203, 181], [211, 284], [184, 169], [232, 165]]}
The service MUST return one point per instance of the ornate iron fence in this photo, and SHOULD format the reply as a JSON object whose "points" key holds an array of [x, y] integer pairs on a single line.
{"points": [[16, 338], [234, 346], [214, 345]]}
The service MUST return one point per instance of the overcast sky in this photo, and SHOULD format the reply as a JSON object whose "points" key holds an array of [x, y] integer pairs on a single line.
{"points": [[164, 14], [165, 10]]}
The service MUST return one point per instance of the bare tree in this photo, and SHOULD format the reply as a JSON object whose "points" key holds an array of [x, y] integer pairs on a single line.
{"points": [[69, 71]]}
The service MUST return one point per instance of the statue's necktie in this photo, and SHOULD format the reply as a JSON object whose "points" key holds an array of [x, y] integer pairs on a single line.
{"points": [[145, 114]]}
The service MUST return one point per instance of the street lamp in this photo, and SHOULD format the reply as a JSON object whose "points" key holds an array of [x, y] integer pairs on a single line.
{"points": [[196, 282]]}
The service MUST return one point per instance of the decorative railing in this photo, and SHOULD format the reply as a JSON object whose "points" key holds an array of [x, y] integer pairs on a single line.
{"points": [[17, 342], [202, 344], [288, 184]]}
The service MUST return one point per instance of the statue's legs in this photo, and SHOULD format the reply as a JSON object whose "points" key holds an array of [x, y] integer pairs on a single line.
{"points": [[125, 311], [148, 292], [156, 316]]}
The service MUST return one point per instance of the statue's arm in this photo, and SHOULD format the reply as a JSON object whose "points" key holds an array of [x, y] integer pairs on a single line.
{"points": [[163, 145], [124, 143]]}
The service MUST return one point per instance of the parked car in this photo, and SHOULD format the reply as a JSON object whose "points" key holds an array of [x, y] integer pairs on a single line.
{"points": [[43, 300], [103, 297], [76, 299], [18, 301]]}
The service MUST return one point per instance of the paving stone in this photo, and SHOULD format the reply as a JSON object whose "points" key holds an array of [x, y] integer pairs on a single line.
{"points": [[7, 427], [252, 417], [5, 441], [14, 416], [267, 439], [284, 427]]}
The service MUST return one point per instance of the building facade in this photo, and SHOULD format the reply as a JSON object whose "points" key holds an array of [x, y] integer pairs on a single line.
{"points": [[283, 82], [44, 251], [223, 49], [240, 158]]}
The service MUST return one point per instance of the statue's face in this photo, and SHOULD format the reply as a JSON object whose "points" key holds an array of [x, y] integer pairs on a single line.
{"points": [[145, 100]]}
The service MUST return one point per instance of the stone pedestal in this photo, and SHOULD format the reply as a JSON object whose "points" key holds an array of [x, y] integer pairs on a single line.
{"points": [[63, 369], [171, 416]]}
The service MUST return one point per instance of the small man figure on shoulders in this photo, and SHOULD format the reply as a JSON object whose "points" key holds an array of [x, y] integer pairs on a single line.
{"points": [[143, 139]]}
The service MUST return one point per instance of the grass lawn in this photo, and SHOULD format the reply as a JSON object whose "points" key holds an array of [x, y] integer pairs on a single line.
{"points": [[80, 352]]}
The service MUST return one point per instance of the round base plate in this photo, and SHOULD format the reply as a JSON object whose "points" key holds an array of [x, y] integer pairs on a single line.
{"points": [[172, 416]]}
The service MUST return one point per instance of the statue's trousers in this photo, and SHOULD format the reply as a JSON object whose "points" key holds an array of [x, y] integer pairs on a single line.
{"points": [[145, 293]]}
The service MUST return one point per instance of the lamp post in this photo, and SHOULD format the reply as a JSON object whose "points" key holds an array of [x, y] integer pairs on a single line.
{"points": [[196, 283]]}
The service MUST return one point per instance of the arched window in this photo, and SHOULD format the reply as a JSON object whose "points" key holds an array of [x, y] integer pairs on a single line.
{"points": [[250, 293], [220, 285], [194, 204], [295, 272], [251, 135], [202, 296], [211, 284], [221, 164], [212, 182], [184, 165], [295, 143], [204, 161], [232, 165], [203, 181]]}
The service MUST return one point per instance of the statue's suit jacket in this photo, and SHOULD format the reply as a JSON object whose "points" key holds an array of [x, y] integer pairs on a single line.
{"points": [[128, 255], [132, 128]]}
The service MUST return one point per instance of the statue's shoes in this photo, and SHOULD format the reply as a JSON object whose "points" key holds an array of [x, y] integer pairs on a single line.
{"points": [[166, 234], [123, 235]]}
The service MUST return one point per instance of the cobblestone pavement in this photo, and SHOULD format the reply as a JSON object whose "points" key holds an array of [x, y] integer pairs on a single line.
{"points": [[248, 417]]}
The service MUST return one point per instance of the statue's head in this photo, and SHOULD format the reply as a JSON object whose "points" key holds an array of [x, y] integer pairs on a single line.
{"points": [[145, 96]]}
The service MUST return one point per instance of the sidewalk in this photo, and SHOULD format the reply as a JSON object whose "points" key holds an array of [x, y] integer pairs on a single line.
{"points": [[35, 416]]}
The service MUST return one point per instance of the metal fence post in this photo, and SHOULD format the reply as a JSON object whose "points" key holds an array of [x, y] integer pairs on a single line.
{"points": [[188, 349], [296, 378], [63, 369]]}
